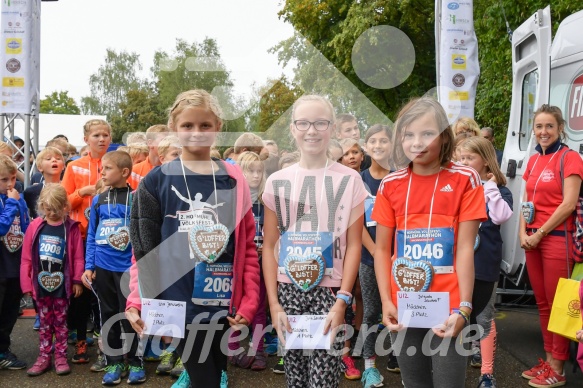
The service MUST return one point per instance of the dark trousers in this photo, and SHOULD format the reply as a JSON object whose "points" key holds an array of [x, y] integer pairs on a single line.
{"points": [[204, 366], [111, 302], [10, 295], [79, 309]]}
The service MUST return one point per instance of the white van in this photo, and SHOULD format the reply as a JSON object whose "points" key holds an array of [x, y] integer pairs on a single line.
{"points": [[543, 72]]}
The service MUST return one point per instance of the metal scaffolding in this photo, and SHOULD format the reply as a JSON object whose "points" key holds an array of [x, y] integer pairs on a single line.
{"points": [[22, 156]]}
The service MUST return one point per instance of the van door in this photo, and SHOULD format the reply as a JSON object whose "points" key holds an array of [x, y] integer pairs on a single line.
{"points": [[530, 88]]}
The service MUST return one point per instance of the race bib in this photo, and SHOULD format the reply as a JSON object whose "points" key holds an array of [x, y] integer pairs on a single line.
{"points": [[107, 227], [368, 206], [213, 284], [434, 245], [51, 249], [303, 244], [258, 232]]}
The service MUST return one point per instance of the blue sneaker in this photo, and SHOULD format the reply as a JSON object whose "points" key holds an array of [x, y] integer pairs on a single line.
{"points": [[372, 378], [183, 381], [137, 375], [72, 338], [36, 324], [149, 354], [271, 348], [113, 374], [224, 380], [90, 341], [487, 381]]}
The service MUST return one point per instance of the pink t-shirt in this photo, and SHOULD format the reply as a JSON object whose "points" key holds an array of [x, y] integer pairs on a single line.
{"points": [[322, 208]]}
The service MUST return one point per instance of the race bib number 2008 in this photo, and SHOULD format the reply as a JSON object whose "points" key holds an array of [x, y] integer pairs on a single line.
{"points": [[434, 245]]}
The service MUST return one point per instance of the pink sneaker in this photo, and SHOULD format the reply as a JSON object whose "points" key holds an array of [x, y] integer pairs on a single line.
{"points": [[42, 364], [548, 378], [535, 370], [62, 366], [350, 370]]}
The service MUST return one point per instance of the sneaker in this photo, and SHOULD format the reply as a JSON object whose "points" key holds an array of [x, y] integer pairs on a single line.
{"points": [[372, 378], [224, 380], [476, 358], [487, 381], [137, 375], [149, 354], [350, 370], [90, 341], [278, 368], [72, 338], [183, 381], [242, 360], [548, 378], [167, 361], [8, 360], [271, 348], [393, 364], [535, 370], [42, 364], [80, 356], [62, 366], [113, 374], [178, 368], [99, 365], [36, 324], [260, 362]]}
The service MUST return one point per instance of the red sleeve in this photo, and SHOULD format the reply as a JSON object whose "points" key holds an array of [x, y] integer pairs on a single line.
{"points": [[26, 262], [250, 299], [383, 212], [473, 206], [573, 165]]}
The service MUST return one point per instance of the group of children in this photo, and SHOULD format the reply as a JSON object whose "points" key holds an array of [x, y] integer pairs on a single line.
{"points": [[113, 214]]}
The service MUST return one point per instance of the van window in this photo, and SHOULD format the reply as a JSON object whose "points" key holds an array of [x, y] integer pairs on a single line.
{"points": [[529, 87]]}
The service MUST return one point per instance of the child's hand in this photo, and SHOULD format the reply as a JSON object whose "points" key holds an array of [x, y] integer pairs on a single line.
{"points": [[279, 321], [390, 317], [12, 193], [452, 326], [492, 178], [238, 322], [335, 318], [87, 190], [133, 316], [77, 290], [88, 274], [579, 335]]}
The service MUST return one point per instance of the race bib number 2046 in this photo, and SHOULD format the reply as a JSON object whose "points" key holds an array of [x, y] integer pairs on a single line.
{"points": [[434, 245]]}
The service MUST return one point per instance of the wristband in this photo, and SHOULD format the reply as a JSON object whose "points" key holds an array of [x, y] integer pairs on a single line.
{"points": [[467, 304], [345, 298], [341, 292], [542, 231], [464, 316]]}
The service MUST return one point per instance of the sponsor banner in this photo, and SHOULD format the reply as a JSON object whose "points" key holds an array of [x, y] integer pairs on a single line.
{"points": [[458, 68], [575, 104], [20, 56]]}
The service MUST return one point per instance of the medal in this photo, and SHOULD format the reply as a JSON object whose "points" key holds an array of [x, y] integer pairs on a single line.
{"points": [[87, 213], [412, 275], [208, 242], [305, 272], [13, 241], [119, 240], [527, 210], [50, 281]]}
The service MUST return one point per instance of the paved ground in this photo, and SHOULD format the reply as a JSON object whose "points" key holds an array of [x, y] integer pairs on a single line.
{"points": [[519, 343]]}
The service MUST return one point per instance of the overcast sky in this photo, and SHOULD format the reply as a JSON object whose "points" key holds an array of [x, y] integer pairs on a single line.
{"points": [[76, 33]]}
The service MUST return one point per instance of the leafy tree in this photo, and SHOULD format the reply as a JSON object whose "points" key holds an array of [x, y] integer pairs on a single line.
{"points": [[59, 103], [112, 81], [139, 111]]}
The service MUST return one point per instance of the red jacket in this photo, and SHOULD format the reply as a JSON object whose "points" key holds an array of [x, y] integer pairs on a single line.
{"points": [[245, 295], [74, 263]]}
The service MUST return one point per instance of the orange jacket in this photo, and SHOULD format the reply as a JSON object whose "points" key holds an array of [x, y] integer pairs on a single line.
{"points": [[82, 172], [139, 171]]}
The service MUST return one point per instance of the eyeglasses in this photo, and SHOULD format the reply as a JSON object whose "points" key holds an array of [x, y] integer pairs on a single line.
{"points": [[319, 125]]}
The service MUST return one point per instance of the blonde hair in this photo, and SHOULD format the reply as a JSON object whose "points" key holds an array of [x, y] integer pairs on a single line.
{"points": [[53, 195], [135, 150], [248, 142], [120, 158], [48, 151], [7, 165], [228, 152], [466, 124], [414, 110], [89, 124], [124, 149], [485, 148], [136, 138], [289, 158], [166, 143], [314, 98], [195, 98], [100, 186], [348, 143], [246, 160], [83, 149], [59, 142], [153, 132], [6, 147]]}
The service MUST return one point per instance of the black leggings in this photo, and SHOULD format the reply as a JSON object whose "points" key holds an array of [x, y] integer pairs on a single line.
{"points": [[481, 296], [79, 310]]}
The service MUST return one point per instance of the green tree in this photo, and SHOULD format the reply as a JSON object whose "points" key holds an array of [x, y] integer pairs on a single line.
{"points": [[59, 103], [197, 66], [111, 83], [139, 111]]}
